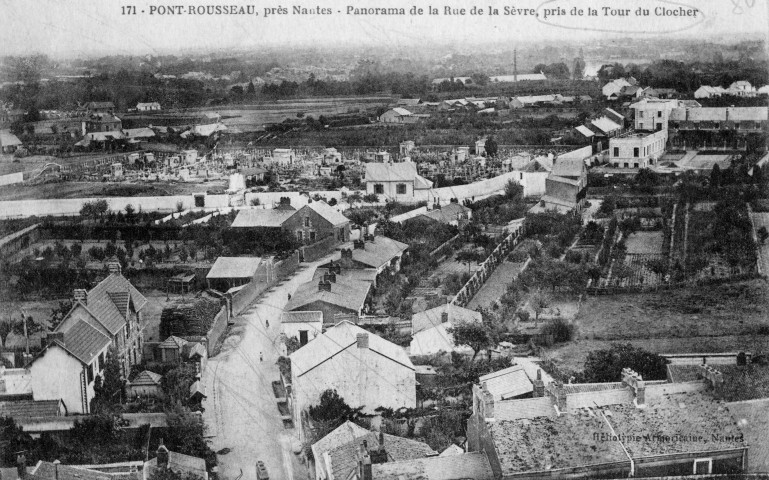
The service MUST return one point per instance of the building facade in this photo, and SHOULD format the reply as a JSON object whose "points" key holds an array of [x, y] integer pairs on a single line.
{"points": [[637, 150]]}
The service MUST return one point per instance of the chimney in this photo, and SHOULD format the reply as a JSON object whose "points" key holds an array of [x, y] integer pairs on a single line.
{"points": [[162, 459], [358, 245], [539, 385], [330, 276], [487, 400], [81, 295], [379, 455], [337, 268], [712, 376], [558, 392], [362, 340], [324, 286], [635, 381], [347, 253], [114, 267], [444, 317], [364, 463], [21, 465], [55, 336]]}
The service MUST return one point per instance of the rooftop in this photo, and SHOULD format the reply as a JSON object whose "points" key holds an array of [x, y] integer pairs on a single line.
{"points": [[261, 217], [328, 212], [346, 294], [31, 408], [449, 467], [391, 172], [343, 434], [339, 338], [108, 302], [433, 317], [147, 378], [343, 459], [234, 267], [84, 342], [507, 383], [301, 317]]}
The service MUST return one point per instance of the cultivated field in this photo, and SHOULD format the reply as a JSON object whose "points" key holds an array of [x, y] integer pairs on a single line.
{"points": [[105, 189]]}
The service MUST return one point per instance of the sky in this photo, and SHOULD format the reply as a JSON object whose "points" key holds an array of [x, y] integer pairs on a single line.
{"points": [[78, 28]]}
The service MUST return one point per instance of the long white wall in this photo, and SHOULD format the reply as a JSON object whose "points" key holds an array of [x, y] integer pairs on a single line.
{"points": [[72, 206]]}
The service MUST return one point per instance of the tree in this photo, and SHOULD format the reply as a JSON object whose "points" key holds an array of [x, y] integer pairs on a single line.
{"points": [[371, 198], [606, 365], [108, 386], [715, 176], [58, 313], [251, 89], [333, 408], [539, 301], [578, 68], [467, 257], [472, 334], [491, 147], [513, 191], [6, 327]]}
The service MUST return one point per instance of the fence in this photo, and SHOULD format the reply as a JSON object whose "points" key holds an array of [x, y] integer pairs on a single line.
{"points": [[216, 331], [275, 272], [463, 297]]}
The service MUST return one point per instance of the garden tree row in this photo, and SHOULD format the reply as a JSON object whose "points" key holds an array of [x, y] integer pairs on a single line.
{"points": [[100, 439]]}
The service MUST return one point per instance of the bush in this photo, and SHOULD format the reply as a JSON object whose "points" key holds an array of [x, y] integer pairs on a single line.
{"points": [[560, 329], [606, 365]]}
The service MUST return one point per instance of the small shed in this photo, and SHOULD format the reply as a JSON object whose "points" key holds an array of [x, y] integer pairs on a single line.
{"points": [[146, 384], [181, 283], [229, 272], [171, 349], [197, 392]]}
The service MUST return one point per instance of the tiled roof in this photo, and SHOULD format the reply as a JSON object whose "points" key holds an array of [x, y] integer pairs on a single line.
{"points": [[694, 414], [341, 337], [569, 167], [379, 252], [30, 408], [346, 294], [301, 317], [328, 212], [546, 443], [432, 317], [108, 304], [147, 378], [344, 459], [447, 213], [451, 467], [401, 111], [234, 267], [173, 342], [341, 435], [84, 342], [507, 383], [391, 172], [261, 217]]}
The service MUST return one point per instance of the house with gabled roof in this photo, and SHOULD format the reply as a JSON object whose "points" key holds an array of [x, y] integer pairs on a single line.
{"points": [[365, 369], [67, 367], [107, 316], [566, 186], [395, 180], [146, 384]]}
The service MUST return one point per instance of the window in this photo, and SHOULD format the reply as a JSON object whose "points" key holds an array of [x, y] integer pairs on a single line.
{"points": [[635, 152], [640, 114], [306, 221], [616, 151], [378, 188], [521, 175], [641, 126], [635, 165], [400, 189], [90, 373], [703, 466], [299, 235], [659, 114], [312, 236], [101, 361]]}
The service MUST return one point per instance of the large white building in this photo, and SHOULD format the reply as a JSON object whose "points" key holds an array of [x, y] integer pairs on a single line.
{"points": [[652, 114], [637, 150]]}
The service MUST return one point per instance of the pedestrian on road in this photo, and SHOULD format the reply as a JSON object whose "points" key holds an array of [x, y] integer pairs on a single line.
{"points": [[260, 356], [289, 296], [267, 322]]}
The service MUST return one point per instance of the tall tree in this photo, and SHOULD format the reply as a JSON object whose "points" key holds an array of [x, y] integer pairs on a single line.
{"points": [[472, 334], [109, 384]]}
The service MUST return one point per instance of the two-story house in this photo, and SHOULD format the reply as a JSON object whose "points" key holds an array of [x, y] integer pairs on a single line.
{"points": [[395, 180]]}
